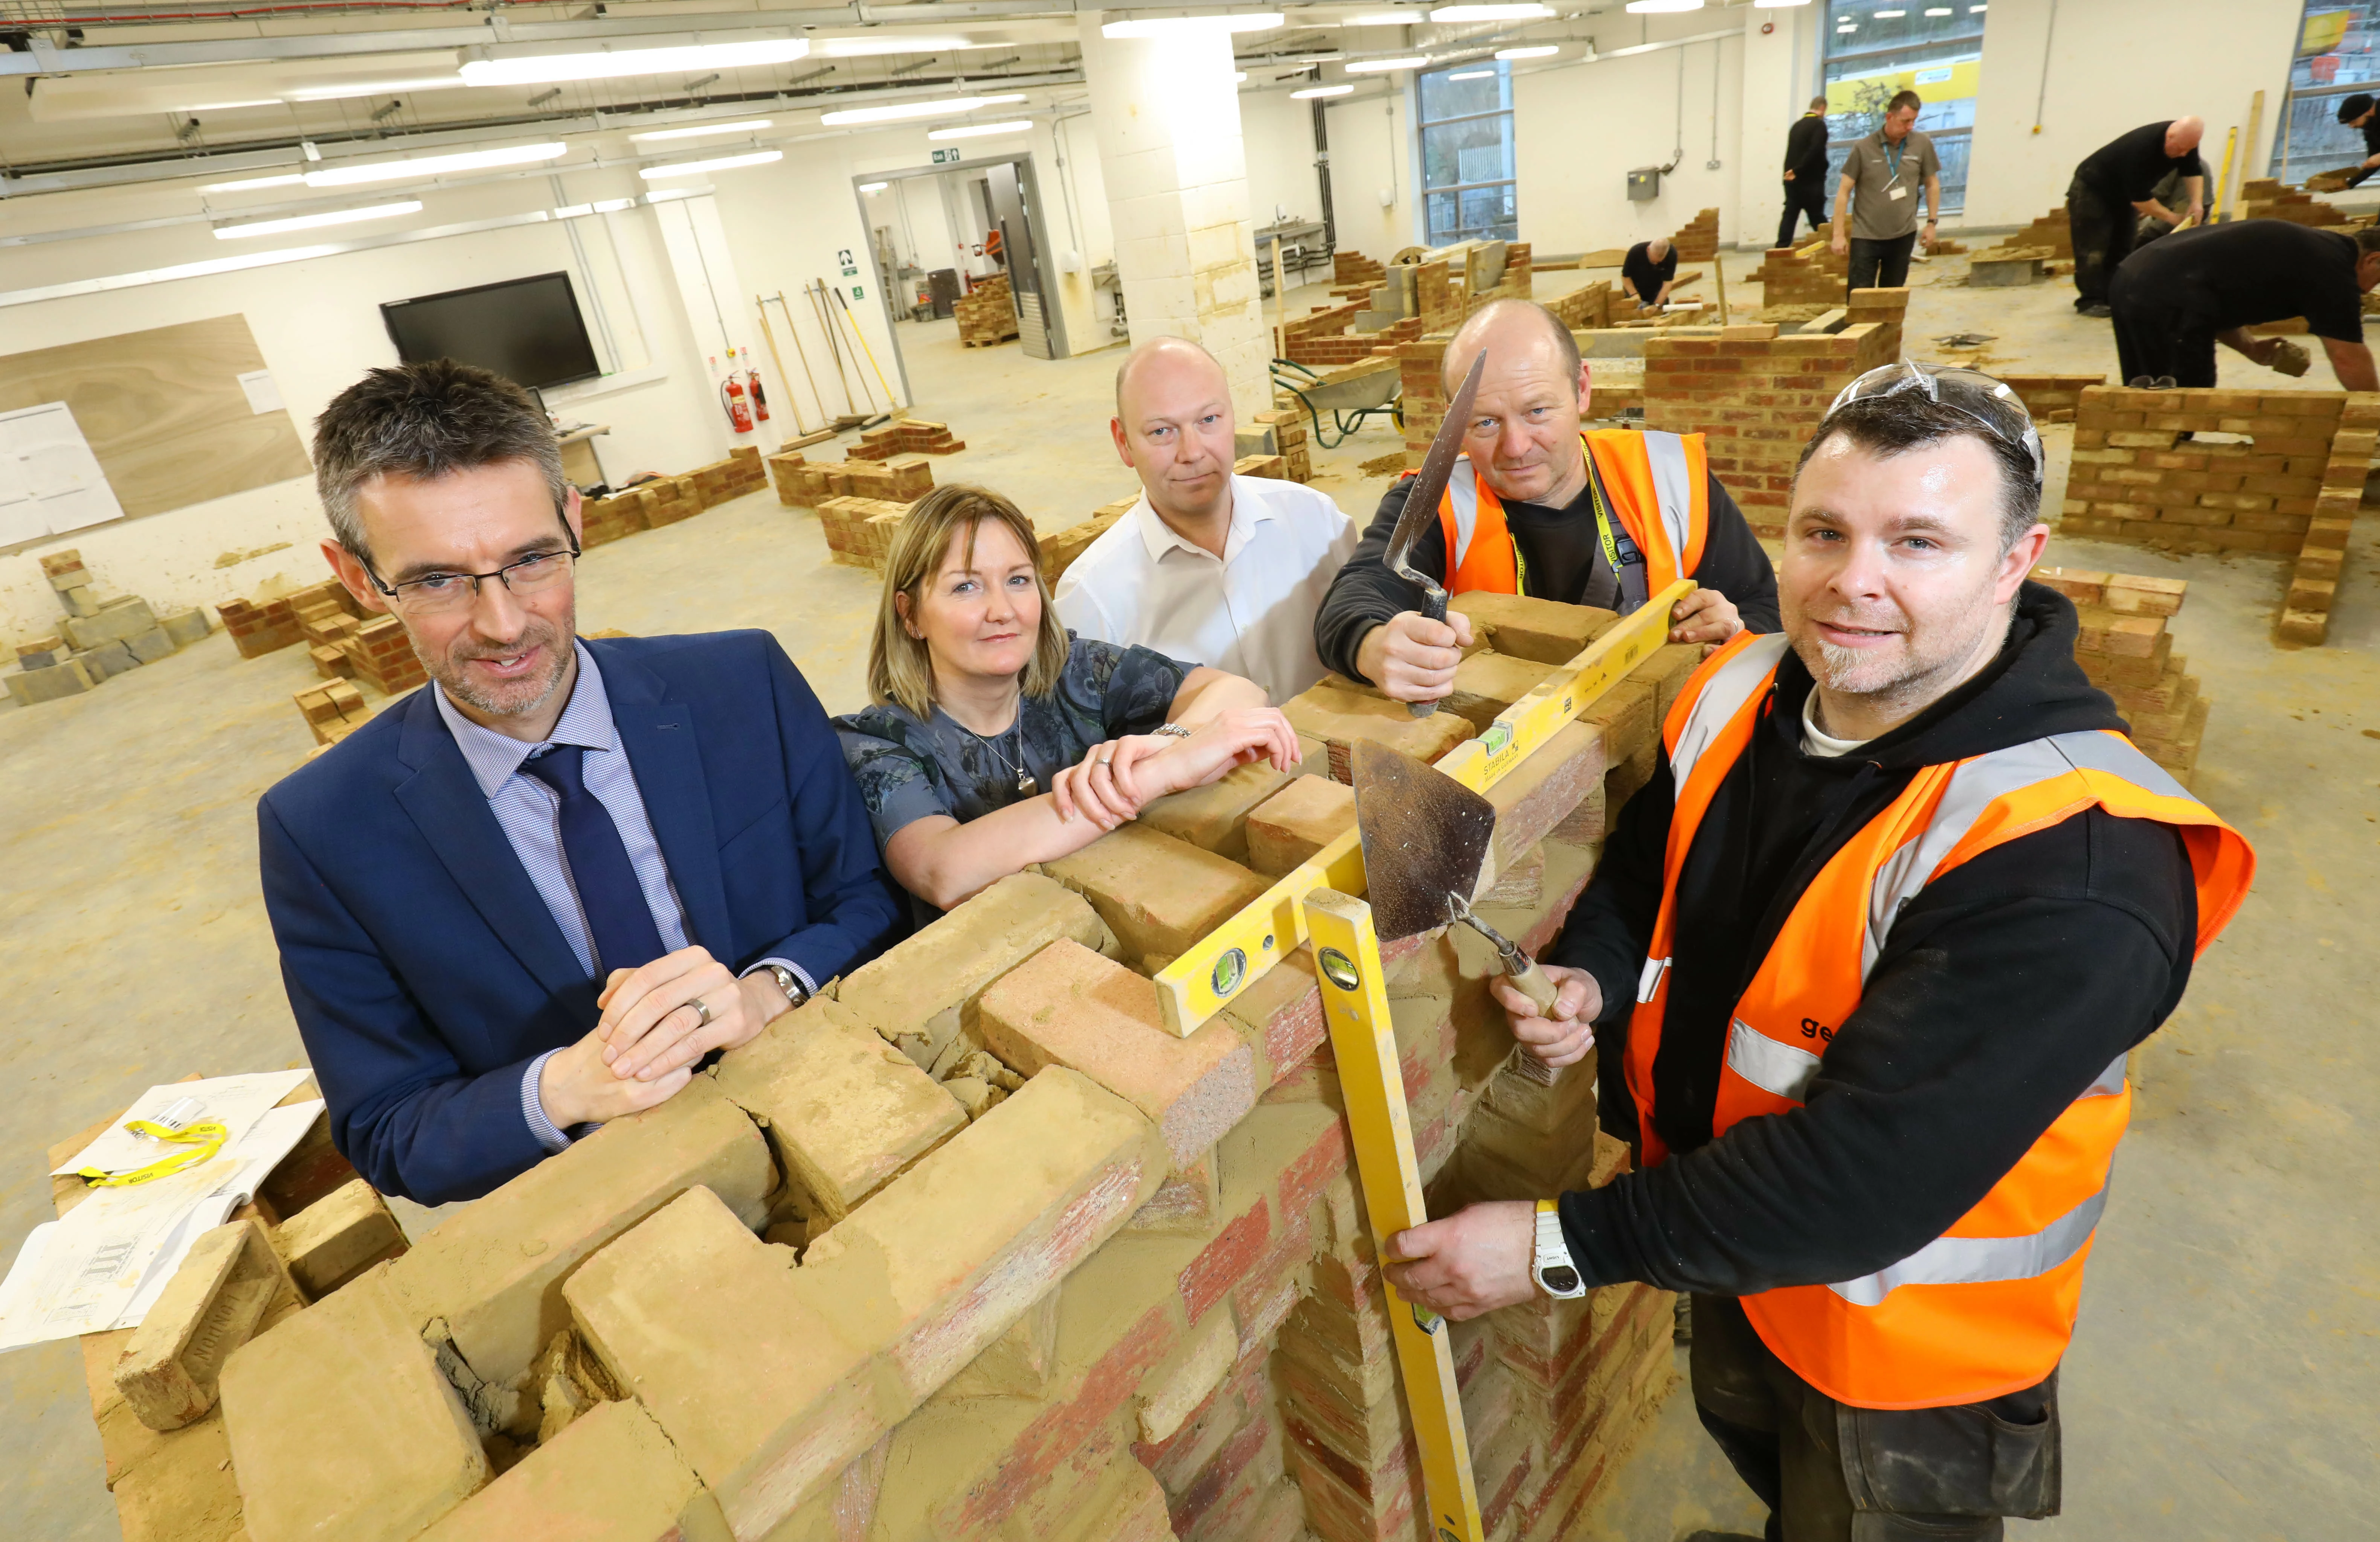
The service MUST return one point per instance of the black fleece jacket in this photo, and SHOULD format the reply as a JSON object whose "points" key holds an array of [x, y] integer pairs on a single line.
{"points": [[2003, 991], [1565, 562]]}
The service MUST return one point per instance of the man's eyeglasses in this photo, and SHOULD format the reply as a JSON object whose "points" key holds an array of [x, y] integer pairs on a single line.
{"points": [[1970, 392], [442, 592]]}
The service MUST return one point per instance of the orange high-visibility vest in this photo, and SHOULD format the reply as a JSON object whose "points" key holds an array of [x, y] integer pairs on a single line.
{"points": [[1659, 487], [1987, 1307]]}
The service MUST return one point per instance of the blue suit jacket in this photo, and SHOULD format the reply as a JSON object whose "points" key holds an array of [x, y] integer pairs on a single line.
{"points": [[423, 968]]}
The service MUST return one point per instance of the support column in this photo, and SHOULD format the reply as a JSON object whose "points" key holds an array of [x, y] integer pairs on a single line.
{"points": [[1166, 112]]}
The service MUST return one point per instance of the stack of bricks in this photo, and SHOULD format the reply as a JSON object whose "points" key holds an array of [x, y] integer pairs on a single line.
{"points": [[1584, 308], [740, 473], [973, 1248], [2267, 198], [2314, 584], [2051, 398], [2124, 647], [860, 530], [2050, 233], [806, 484], [332, 711], [1321, 339], [988, 313], [907, 436], [1353, 277], [1060, 550], [623, 513], [1757, 397], [1272, 467], [259, 627], [2249, 478], [97, 639], [384, 657], [1697, 239], [1287, 428], [1808, 275]]}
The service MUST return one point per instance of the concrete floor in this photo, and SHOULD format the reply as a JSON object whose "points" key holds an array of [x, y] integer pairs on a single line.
{"points": [[2223, 1385]]}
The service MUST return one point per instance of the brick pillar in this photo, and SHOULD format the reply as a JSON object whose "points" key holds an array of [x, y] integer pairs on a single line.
{"points": [[1167, 113]]}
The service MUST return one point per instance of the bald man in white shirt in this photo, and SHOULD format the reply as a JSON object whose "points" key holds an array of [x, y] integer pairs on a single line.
{"points": [[1208, 567]]}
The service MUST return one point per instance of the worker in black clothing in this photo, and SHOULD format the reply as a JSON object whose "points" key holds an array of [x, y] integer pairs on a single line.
{"points": [[1805, 171], [2176, 299], [2114, 184], [1860, 967], [2359, 112], [1648, 273], [1536, 507]]}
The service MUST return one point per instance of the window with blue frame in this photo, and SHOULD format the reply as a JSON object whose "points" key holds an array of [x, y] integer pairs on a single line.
{"points": [[1877, 49], [1466, 154]]}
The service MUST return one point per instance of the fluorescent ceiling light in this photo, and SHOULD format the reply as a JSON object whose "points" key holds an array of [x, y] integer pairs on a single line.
{"points": [[328, 217], [231, 106], [1540, 50], [663, 195], [1384, 19], [894, 111], [1977, 10], [1491, 12], [1655, 7], [889, 43], [376, 88], [285, 179], [1776, 4], [600, 206], [719, 163], [1167, 25], [1239, 77], [978, 130], [533, 70], [874, 187], [1473, 75], [1939, 10], [701, 129], [1310, 93], [432, 165], [1890, 15], [1374, 66]]}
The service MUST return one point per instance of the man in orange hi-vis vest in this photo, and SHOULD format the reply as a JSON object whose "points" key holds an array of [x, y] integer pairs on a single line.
{"points": [[1538, 507], [1865, 957]]}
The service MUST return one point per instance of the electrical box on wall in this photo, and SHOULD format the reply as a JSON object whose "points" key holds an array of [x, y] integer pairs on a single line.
{"points": [[1644, 184]]}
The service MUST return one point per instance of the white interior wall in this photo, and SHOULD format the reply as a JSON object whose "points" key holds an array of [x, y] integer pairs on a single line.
{"points": [[1279, 134], [1779, 70], [1371, 158], [1578, 127], [2110, 65], [318, 325]]}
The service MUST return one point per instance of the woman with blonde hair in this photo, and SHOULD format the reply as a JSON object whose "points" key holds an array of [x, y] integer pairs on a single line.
{"points": [[996, 738]]}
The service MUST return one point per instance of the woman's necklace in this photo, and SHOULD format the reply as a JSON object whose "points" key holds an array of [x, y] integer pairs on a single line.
{"points": [[1026, 784]]}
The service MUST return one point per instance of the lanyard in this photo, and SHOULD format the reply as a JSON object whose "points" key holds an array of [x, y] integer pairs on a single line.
{"points": [[1898, 152]]}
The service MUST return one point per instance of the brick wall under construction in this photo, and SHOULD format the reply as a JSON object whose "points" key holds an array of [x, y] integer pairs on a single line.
{"points": [[974, 1247]]}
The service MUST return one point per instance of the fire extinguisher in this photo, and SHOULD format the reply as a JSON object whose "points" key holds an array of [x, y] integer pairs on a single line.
{"points": [[731, 399], [759, 398]]}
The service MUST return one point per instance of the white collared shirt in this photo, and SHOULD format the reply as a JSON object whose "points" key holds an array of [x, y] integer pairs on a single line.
{"points": [[1251, 613]]}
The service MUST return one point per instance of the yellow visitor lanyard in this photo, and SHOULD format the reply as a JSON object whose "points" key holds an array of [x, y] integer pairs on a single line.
{"points": [[199, 1142]]}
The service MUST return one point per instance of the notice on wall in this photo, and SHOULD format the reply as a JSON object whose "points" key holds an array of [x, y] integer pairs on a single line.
{"points": [[263, 397], [50, 480]]}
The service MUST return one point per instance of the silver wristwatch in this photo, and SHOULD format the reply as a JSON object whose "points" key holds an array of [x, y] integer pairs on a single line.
{"points": [[1552, 1266], [789, 982]]}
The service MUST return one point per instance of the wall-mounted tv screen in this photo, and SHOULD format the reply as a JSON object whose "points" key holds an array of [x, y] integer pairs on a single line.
{"points": [[527, 329]]}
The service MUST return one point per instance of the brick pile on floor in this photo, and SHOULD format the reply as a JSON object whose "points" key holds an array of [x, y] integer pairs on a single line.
{"points": [[2049, 235], [974, 1248], [2127, 651], [860, 530], [907, 436], [2266, 198], [987, 314], [1757, 397], [1697, 239], [1060, 549], [2260, 471], [1353, 277], [98, 638], [802, 482], [1810, 274]]}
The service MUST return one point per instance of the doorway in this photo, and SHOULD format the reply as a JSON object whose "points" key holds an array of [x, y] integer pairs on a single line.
{"points": [[935, 233]]}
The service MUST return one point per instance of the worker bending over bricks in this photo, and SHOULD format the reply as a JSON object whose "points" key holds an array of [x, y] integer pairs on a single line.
{"points": [[995, 738], [1873, 999], [1207, 565], [2114, 185], [2176, 299], [528, 900], [1538, 506]]}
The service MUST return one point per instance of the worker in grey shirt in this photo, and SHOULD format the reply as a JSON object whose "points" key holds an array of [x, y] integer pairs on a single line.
{"points": [[1877, 198]]}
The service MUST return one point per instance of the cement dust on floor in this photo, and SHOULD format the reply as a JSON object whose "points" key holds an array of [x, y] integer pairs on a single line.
{"points": [[2223, 1384]]}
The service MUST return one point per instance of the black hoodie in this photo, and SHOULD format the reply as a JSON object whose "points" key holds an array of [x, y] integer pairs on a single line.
{"points": [[2004, 990]]}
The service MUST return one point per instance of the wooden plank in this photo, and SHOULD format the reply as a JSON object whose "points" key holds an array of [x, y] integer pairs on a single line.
{"points": [[164, 411]]}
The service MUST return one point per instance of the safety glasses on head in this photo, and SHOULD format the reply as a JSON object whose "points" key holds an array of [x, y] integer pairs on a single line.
{"points": [[1970, 392]]}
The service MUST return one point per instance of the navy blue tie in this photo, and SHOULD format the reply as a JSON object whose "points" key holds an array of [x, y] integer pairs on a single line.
{"points": [[619, 920]]}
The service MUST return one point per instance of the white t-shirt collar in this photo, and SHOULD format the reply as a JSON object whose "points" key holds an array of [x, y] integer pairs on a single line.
{"points": [[1818, 743]]}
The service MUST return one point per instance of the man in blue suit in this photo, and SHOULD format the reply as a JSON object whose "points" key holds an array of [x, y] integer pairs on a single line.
{"points": [[531, 895]]}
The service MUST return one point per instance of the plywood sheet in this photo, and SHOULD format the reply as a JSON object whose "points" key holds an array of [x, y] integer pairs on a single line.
{"points": [[164, 411]]}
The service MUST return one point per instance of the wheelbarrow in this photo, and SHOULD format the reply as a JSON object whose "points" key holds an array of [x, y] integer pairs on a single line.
{"points": [[1349, 400]]}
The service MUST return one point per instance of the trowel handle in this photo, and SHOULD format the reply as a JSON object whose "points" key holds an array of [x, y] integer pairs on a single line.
{"points": [[1433, 605], [1534, 983]]}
